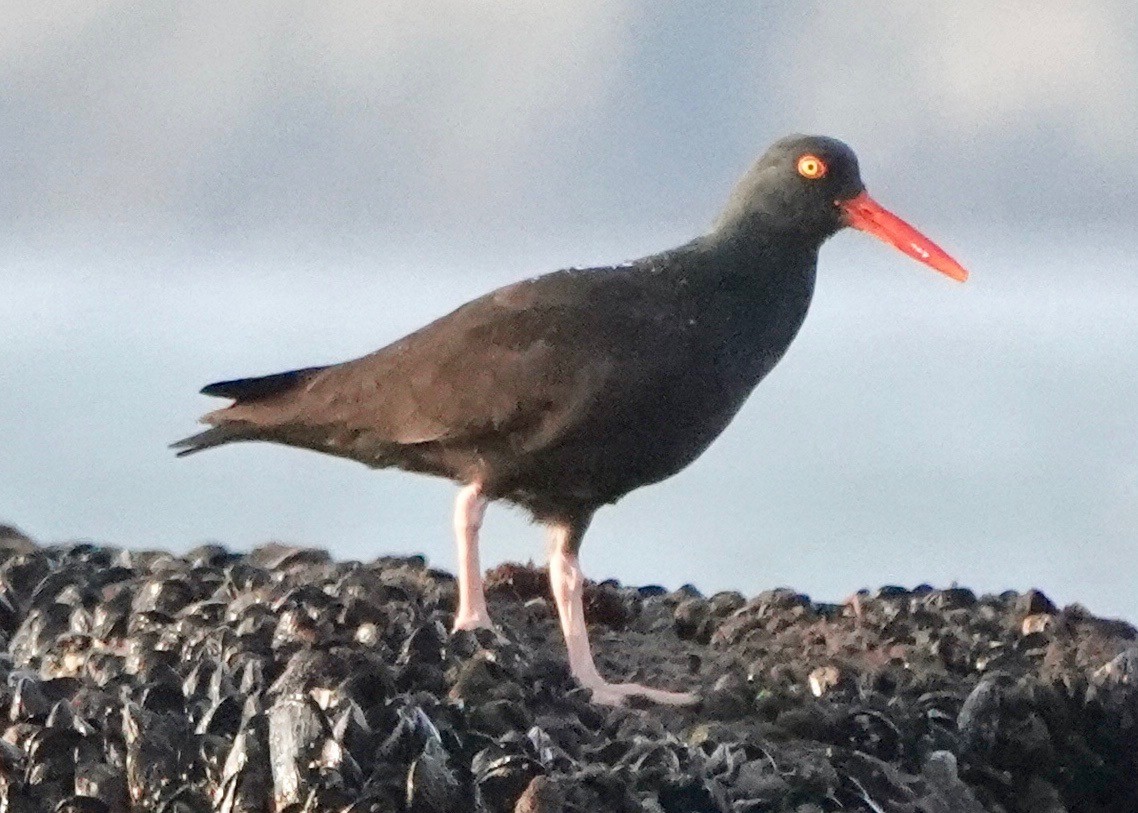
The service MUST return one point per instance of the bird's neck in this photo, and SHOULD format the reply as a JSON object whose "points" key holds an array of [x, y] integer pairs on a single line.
{"points": [[756, 261], [749, 298]]}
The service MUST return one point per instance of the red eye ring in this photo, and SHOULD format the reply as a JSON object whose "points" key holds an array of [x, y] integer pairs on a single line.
{"points": [[811, 167]]}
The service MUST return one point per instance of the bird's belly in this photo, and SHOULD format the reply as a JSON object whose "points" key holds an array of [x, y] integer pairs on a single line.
{"points": [[668, 436], [630, 448]]}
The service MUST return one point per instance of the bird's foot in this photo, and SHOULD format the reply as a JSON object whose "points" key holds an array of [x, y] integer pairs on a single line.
{"points": [[472, 620], [617, 694], [482, 630]]}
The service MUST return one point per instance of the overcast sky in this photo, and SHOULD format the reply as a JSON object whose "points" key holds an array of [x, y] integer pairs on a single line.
{"points": [[198, 190], [388, 118]]}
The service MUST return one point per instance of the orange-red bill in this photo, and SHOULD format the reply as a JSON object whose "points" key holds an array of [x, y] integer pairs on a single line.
{"points": [[864, 213]]}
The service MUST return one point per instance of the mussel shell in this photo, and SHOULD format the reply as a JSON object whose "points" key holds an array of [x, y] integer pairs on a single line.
{"points": [[501, 775], [432, 786], [82, 804]]}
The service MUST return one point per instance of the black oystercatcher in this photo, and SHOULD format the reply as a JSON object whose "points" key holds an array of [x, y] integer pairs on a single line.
{"points": [[565, 392]]}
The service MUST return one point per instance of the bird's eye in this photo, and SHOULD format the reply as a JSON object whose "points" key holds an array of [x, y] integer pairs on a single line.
{"points": [[811, 167]]}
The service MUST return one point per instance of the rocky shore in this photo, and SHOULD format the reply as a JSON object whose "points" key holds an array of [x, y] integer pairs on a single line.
{"points": [[282, 680]]}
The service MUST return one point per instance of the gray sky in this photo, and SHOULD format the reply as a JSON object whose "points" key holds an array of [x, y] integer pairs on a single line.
{"points": [[396, 118], [198, 190]]}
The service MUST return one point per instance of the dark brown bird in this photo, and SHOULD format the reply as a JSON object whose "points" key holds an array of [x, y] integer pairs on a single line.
{"points": [[564, 392]]}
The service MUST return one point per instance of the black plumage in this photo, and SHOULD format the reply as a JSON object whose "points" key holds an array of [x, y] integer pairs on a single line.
{"points": [[564, 392]]}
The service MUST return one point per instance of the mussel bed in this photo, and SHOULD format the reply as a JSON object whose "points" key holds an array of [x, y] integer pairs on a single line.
{"points": [[282, 680]]}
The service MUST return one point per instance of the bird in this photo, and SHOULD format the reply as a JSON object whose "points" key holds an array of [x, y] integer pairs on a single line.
{"points": [[564, 392]]}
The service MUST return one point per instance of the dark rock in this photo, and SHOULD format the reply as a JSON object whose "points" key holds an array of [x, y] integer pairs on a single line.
{"points": [[81, 804], [425, 645], [946, 792], [217, 680], [542, 795], [731, 697], [810, 722], [496, 718], [1041, 796], [604, 604], [160, 751], [687, 795], [693, 620], [277, 557], [297, 731], [432, 786], [482, 679], [167, 595], [519, 582], [501, 775], [1121, 670], [952, 598], [760, 782], [210, 556], [107, 783], [28, 701], [1034, 602], [15, 541], [979, 718], [724, 603]]}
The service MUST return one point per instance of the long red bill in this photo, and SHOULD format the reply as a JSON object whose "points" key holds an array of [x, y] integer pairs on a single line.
{"points": [[864, 213]]}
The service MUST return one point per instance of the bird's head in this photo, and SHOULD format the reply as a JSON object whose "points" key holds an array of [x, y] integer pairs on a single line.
{"points": [[807, 188]]}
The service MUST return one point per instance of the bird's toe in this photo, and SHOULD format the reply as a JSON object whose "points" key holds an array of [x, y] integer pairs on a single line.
{"points": [[472, 621], [618, 694]]}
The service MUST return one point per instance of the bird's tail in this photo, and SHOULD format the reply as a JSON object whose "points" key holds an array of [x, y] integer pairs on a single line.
{"points": [[243, 391], [216, 436]]}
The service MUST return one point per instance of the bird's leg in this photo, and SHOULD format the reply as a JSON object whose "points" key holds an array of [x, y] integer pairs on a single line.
{"points": [[469, 509], [568, 583]]}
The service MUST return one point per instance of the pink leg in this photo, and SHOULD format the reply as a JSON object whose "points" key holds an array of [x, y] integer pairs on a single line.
{"points": [[568, 584], [469, 509]]}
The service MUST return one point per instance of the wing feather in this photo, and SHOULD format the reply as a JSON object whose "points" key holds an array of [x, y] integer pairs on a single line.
{"points": [[532, 360]]}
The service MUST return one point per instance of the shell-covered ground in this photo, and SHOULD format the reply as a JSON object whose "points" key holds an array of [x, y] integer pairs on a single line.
{"points": [[284, 680]]}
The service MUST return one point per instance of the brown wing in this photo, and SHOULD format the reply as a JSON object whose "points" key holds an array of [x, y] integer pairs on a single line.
{"points": [[532, 361]]}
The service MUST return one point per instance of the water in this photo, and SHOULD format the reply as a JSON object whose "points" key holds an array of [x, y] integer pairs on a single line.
{"points": [[917, 430]]}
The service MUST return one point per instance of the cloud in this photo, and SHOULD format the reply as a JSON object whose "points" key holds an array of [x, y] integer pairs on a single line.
{"points": [[351, 116], [152, 111], [971, 68], [1029, 115]]}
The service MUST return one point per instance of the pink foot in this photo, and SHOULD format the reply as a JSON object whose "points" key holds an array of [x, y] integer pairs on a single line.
{"points": [[568, 583], [472, 621], [616, 694]]}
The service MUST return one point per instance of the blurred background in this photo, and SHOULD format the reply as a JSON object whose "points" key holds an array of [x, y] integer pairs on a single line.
{"points": [[199, 190]]}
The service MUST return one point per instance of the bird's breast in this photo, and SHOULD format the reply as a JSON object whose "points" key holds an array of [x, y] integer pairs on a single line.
{"points": [[722, 351]]}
